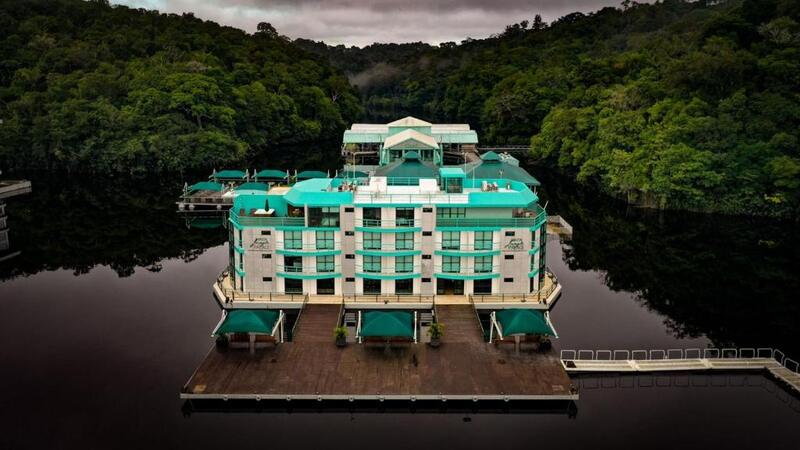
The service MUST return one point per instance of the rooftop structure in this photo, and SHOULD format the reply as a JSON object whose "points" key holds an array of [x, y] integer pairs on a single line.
{"points": [[390, 142]]}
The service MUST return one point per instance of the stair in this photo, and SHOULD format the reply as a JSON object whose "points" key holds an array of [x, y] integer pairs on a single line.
{"points": [[460, 323], [316, 323]]}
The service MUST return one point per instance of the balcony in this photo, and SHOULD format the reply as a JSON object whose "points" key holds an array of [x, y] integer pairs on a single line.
{"points": [[327, 248], [466, 273], [388, 225], [308, 272], [266, 221], [386, 273], [479, 249], [521, 218], [405, 249]]}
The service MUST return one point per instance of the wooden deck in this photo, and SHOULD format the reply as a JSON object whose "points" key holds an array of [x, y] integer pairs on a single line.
{"points": [[313, 368]]}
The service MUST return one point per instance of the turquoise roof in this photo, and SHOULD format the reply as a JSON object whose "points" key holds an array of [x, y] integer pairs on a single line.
{"points": [[523, 321], [315, 192], [452, 172], [492, 166], [249, 201], [408, 167], [228, 175], [273, 174], [252, 186], [464, 137], [248, 321], [309, 174], [205, 186]]}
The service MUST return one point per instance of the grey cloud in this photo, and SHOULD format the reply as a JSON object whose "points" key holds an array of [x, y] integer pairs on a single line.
{"points": [[353, 22]]}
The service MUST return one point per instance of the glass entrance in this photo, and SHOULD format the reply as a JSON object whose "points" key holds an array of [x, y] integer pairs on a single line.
{"points": [[449, 287]]}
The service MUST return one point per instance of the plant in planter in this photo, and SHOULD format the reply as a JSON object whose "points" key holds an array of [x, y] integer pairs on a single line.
{"points": [[340, 334], [436, 331], [221, 341]]}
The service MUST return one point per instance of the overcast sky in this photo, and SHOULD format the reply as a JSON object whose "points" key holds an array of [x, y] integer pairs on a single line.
{"points": [[362, 22]]}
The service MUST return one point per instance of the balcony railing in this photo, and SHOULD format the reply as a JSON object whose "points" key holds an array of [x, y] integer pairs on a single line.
{"points": [[361, 245], [309, 270], [253, 221], [388, 271], [316, 247], [388, 223], [525, 218], [467, 271], [441, 246]]}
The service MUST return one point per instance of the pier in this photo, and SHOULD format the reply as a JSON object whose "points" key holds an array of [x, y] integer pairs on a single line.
{"points": [[767, 360], [311, 367]]}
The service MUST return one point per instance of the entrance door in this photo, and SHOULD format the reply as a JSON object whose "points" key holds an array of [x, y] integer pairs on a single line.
{"points": [[449, 287]]}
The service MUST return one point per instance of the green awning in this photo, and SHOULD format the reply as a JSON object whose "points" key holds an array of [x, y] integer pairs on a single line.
{"points": [[387, 324], [248, 321], [491, 166], [206, 186], [252, 187], [310, 174], [523, 321], [227, 175], [271, 174]]}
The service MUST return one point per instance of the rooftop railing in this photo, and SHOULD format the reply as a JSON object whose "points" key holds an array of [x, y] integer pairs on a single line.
{"points": [[531, 217], [255, 221]]}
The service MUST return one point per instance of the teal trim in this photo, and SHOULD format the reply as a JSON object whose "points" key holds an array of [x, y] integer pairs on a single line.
{"points": [[239, 272], [389, 205], [389, 230], [467, 228], [238, 249], [310, 252], [304, 228], [533, 274], [458, 276], [467, 252], [388, 252], [383, 276], [308, 276], [534, 251]]}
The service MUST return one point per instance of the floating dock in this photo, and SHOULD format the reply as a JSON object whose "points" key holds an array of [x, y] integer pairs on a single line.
{"points": [[768, 360], [311, 367], [11, 188]]}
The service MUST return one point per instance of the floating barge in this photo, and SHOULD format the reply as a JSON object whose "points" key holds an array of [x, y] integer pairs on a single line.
{"points": [[310, 367], [385, 257]]}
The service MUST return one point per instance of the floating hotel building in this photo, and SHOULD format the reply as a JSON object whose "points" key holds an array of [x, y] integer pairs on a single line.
{"points": [[409, 226]]}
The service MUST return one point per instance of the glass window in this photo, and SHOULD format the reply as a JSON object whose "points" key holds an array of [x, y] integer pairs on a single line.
{"points": [[323, 217], [403, 264], [372, 264], [451, 240], [326, 286], [372, 241], [372, 286], [483, 264], [451, 264], [293, 240], [293, 263], [451, 213], [404, 217], [482, 286], [325, 263], [372, 217], [293, 286], [324, 240], [403, 286], [483, 240], [453, 185], [404, 241]]}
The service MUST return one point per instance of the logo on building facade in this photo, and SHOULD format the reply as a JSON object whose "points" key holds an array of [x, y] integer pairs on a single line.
{"points": [[260, 244], [515, 245]]}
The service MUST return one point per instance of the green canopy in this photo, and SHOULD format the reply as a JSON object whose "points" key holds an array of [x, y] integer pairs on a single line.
{"points": [[206, 186], [228, 175], [271, 174], [523, 321], [309, 174], [248, 321], [387, 324], [409, 166], [491, 166], [252, 187]]}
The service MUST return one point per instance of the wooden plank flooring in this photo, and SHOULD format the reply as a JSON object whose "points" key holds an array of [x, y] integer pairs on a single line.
{"points": [[464, 367]]}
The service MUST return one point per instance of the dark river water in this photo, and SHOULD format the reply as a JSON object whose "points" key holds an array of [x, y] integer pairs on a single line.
{"points": [[107, 311]]}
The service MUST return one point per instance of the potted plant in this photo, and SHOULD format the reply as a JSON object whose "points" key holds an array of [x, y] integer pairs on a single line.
{"points": [[436, 331], [340, 334]]}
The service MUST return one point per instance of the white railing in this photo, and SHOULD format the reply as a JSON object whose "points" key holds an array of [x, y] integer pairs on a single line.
{"points": [[682, 354]]}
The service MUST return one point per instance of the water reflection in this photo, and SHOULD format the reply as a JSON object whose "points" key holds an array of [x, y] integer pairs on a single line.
{"points": [[730, 279], [79, 222]]}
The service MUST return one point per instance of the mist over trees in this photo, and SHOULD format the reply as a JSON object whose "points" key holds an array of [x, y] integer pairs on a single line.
{"points": [[91, 87], [691, 105]]}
